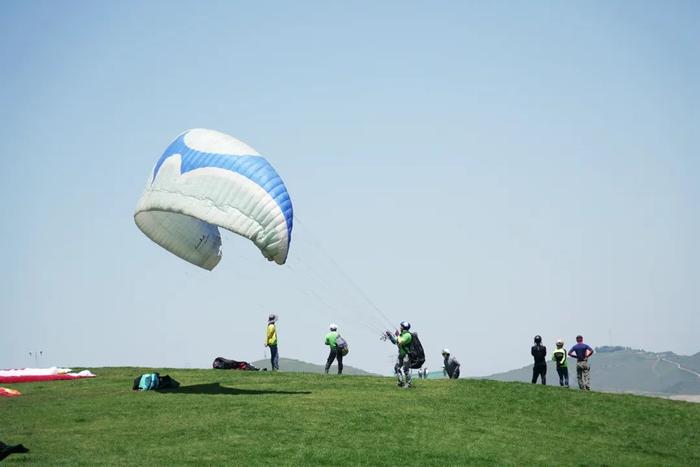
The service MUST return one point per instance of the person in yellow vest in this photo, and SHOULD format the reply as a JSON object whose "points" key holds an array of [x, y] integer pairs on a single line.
{"points": [[271, 341]]}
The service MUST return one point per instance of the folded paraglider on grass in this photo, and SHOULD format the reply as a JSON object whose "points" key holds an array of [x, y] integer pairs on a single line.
{"points": [[221, 363]]}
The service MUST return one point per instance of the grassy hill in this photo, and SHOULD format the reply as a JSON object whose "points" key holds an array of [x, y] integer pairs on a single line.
{"points": [[621, 369], [298, 366], [265, 418]]}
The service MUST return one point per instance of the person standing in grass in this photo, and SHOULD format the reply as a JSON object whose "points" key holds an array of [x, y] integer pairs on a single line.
{"points": [[559, 356], [581, 352], [451, 364], [539, 353], [332, 342], [271, 341], [402, 339]]}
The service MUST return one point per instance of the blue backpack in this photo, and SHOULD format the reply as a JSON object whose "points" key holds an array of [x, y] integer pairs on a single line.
{"points": [[149, 381]]}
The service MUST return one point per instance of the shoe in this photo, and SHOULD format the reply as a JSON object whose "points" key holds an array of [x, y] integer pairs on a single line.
{"points": [[400, 384]]}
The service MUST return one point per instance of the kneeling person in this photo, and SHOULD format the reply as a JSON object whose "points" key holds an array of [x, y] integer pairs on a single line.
{"points": [[451, 364]]}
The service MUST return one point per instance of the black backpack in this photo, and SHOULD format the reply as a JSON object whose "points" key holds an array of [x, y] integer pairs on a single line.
{"points": [[221, 363], [416, 355]]}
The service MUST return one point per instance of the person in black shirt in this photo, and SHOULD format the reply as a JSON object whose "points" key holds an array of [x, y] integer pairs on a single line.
{"points": [[539, 353]]}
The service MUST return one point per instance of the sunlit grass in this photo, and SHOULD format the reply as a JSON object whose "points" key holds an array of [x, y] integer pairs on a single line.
{"points": [[245, 418]]}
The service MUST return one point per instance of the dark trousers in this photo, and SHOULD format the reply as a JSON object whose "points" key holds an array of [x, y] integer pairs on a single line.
{"points": [[274, 357], [563, 376], [332, 356], [540, 369]]}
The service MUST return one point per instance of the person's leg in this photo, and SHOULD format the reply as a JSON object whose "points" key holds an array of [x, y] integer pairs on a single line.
{"points": [[543, 373], [397, 370], [535, 372], [455, 375], [274, 358], [560, 372], [407, 371], [587, 376], [566, 376], [330, 359], [340, 363], [579, 375]]}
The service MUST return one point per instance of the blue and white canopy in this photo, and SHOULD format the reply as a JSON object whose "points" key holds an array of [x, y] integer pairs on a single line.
{"points": [[204, 180]]}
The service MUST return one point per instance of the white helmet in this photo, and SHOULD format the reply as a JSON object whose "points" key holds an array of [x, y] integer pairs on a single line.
{"points": [[560, 342], [445, 351], [333, 327]]}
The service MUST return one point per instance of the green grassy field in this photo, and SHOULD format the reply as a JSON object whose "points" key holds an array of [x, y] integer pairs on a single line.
{"points": [[246, 418]]}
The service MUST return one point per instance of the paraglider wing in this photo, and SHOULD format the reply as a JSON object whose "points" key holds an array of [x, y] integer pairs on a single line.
{"points": [[205, 180]]}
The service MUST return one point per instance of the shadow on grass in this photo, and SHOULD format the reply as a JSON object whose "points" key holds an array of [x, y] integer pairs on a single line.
{"points": [[216, 388]]}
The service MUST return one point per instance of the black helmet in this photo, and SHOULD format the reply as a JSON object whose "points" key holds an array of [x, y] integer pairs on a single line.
{"points": [[405, 325], [538, 339]]}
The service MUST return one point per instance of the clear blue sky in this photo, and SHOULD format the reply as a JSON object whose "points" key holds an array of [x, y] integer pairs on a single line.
{"points": [[488, 171]]}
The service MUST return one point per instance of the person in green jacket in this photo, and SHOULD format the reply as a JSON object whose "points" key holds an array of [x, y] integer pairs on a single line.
{"points": [[332, 342], [402, 339], [559, 356]]}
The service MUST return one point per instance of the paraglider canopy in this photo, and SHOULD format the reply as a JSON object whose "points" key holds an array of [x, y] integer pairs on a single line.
{"points": [[205, 180]]}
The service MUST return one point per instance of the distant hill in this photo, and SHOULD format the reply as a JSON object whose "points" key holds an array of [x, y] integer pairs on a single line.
{"points": [[622, 369], [297, 366]]}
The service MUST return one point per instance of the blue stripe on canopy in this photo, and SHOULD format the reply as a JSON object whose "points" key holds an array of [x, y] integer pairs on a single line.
{"points": [[255, 168]]}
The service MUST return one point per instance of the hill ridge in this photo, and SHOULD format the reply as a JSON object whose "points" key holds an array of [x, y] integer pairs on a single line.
{"points": [[625, 369]]}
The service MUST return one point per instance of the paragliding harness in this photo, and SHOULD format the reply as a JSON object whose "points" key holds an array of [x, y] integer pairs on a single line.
{"points": [[342, 346], [221, 363], [416, 355], [150, 381]]}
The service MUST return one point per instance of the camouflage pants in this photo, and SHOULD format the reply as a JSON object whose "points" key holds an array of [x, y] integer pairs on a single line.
{"points": [[403, 363], [583, 375]]}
